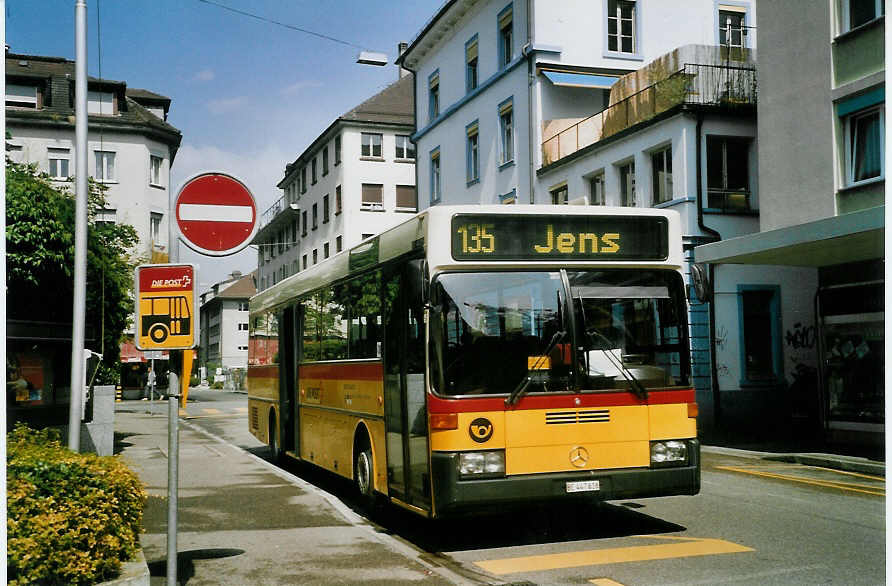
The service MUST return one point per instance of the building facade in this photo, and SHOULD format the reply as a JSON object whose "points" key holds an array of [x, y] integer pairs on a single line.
{"points": [[494, 81], [355, 180], [821, 126], [131, 146], [223, 341]]}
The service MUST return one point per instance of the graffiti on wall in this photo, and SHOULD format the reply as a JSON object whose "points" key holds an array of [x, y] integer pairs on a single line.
{"points": [[801, 337]]}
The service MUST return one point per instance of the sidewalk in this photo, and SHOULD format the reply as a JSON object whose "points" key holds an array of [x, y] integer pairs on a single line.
{"points": [[243, 521]]}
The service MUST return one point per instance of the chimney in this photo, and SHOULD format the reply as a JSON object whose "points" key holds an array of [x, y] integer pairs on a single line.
{"points": [[236, 275], [400, 49]]}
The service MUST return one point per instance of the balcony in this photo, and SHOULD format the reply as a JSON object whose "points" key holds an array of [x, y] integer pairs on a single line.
{"points": [[280, 213], [694, 84]]}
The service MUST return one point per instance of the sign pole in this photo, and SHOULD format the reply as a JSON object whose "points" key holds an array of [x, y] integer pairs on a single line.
{"points": [[173, 458]]}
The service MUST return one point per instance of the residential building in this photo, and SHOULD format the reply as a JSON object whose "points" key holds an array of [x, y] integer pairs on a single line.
{"points": [[805, 327], [131, 146], [495, 80], [224, 327], [355, 180]]}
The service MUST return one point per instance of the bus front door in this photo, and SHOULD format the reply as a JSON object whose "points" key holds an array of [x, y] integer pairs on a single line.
{"points": [[408, 464]]}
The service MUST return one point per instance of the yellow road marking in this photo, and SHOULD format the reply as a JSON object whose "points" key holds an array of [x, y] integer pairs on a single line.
{"points": [[688, 547], [211, 411], [183, 412], [806, 467], [862, 488], [604, 582], [241, 409]]}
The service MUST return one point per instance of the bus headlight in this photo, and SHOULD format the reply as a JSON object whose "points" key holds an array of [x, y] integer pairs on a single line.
{"points": [[668, 453], [489, 463]]}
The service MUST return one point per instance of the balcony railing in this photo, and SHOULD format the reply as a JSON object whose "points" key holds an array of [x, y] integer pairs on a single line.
{"points": [[711, 85], [273, 211]]}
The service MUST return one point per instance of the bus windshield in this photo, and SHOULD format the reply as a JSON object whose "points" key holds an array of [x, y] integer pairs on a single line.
{"points": [[491, 331]]}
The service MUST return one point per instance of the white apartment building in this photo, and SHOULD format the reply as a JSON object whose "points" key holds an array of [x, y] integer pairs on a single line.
{"points": [[495, 80], [224, 324], [130, 144], [355, 180]]}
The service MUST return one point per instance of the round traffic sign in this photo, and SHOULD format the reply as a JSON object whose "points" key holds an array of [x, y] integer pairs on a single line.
{"points": [[216, 214]]}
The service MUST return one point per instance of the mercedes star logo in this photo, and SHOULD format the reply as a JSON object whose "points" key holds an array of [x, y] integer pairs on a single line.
{"points": [[579, 456]]}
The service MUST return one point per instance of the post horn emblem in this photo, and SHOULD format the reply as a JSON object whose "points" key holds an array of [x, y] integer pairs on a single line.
{"points": [[579, 456]]}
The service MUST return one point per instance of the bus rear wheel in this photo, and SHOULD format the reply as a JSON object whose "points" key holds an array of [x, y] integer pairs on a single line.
{"points": [[275, 451], [362, 474]]}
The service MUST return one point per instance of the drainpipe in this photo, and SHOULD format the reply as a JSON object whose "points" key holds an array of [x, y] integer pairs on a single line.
{"points": [[713, 367], [530, 84]]}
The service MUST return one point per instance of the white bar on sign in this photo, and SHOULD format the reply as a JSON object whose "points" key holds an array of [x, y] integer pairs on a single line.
{"points": [[215, 213]]}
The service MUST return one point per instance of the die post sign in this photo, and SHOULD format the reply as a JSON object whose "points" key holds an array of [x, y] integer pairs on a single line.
{"points": [[165, 307]]}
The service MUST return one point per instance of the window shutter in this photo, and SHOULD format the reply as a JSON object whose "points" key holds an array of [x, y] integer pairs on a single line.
{"points": [[406, 197], [372, 193]]}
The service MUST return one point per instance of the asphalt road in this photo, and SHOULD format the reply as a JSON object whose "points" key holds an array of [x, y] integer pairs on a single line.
{"points": [[754, 522]]}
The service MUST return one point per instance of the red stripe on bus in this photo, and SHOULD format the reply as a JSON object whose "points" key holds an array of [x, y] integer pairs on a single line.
{"points": [[263, 370], [616, 399], [344, 371]]}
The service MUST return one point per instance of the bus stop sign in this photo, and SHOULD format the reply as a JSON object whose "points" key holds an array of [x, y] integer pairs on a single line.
{"points": [[216, 214], [165, 307]]}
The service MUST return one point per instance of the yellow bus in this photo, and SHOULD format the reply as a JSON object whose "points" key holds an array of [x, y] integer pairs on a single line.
{"points": [[486, 356]]}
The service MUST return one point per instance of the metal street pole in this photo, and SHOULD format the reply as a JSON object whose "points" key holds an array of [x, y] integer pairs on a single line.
{"points": [[80, 226], [173, 431]]}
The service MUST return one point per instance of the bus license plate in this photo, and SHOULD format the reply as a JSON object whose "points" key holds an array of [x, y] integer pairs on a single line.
{"points": [[584, 486]]}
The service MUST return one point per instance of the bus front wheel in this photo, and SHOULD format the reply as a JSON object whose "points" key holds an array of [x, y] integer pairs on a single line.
{"points": [[362, 473]]}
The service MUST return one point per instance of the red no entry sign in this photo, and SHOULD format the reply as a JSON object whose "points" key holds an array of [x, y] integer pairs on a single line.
{"points": [[216, 214]]}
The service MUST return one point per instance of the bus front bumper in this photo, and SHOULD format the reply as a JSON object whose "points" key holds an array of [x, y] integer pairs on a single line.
{"points": [[454, 494]]}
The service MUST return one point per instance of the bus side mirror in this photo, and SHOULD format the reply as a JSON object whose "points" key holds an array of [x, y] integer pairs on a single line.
{"points": [[417, 286], [700, 283]]}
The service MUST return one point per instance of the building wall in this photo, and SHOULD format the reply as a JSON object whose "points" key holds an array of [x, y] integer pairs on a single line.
{"points": [[796, 154], [233, 334], [130, 194]]}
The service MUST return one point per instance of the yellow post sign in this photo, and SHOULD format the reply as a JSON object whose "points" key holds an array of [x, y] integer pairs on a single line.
{"points": [[165, 307]]}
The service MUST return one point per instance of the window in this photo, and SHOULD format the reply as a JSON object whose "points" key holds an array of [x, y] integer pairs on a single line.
{"points": [[727, 173], [864, 132], [509, 198], [303, 216], [366, 236], [436, 184], [155, 170], [315, 255], [305, 262], [105, 166], [627, 184], [433, 100], [294, 267], [294, 231], [560, 195], [857, 12], [325, 210], [371, 145], [313, 172], [471, 64], [15, 152], [337, 149], [315, 216], [325, 160], [732, 28], [473, 153], [406, 198], [155, 226], [506, 132], [100, 103], [59, 162], [760, 333], [303, 180], [404, 147], [506, 36], [243, 306], [325, 250], [621, 25], [339, 244], [22, 96], [243, 327], [106, 217], [372, 197], [661, 163], [597, 197], [339, 206]]}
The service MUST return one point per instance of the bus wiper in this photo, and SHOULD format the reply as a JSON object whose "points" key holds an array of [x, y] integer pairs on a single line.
{"points": [[525, 381], [636, 385]]}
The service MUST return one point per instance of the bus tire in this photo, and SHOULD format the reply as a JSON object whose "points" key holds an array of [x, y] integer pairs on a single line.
{"points": [[275, 448], [363, 471]]}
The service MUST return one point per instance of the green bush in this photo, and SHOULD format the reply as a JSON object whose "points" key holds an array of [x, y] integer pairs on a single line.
{"points": [[194, 380], [72, 518], [217, 385]]}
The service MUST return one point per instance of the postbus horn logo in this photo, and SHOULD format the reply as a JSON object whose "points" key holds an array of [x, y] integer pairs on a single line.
{"points": [[480, 430]]}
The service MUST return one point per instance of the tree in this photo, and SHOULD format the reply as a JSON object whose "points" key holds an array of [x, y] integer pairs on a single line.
{"points": [[40, 221]]}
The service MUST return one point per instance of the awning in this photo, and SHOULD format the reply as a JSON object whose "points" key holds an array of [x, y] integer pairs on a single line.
{"points": [[851, 237], [580, 79]]}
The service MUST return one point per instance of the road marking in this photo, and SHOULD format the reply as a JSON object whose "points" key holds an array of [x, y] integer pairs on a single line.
{"points": [[688, 547], [241, 409], [849, 486], [211, 411], [604, 582]]}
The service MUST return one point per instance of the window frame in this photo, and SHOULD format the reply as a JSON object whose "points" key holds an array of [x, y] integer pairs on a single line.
{"points": [[105, 166], [600, 177], [433, 95], [849, 136], [337, 150], [506, 133], [58, 154], [436, 176], [472, 153], [316, 216], [776, 353], [325, 208], [635, 53], [505, 24], [628, 196], [472, 64], [724, 190], [662, 192], [400, 208], [155, 181], [372, 146], [845, 15], [313, 171], [742, 30], [558, 192], [325, 160], [371, 206], [338, 201], [155, 220], [408, 148]]}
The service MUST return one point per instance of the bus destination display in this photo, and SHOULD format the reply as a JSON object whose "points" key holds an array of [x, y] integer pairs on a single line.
{"points": [[540, 237]]}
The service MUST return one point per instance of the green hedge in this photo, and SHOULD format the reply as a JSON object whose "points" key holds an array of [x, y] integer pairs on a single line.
{"points": [[72, 518]]}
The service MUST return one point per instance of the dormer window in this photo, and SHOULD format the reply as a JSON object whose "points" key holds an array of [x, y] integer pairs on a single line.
{"points": [[22, 96], [102, 103]]}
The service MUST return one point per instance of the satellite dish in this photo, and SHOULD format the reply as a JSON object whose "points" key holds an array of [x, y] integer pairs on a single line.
{"points": [[700, 283]]}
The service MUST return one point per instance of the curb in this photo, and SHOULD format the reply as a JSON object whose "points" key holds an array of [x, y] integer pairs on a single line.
{"points": [[833, 461], [133, 573]]}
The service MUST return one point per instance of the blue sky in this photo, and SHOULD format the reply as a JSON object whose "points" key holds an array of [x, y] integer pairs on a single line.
{"points": [[248, 96]]}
